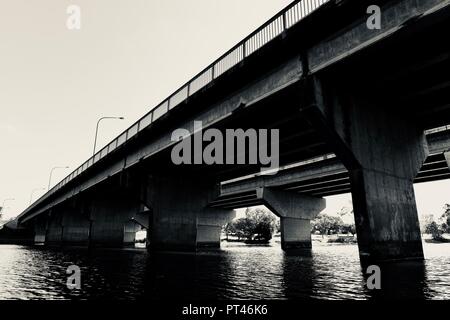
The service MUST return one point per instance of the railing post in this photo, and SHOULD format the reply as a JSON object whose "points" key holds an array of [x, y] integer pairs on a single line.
{"points": [[212, 71], [284, 21]]}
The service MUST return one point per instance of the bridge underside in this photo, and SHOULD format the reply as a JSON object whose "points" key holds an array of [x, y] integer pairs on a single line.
{"points": [[369, 105]]}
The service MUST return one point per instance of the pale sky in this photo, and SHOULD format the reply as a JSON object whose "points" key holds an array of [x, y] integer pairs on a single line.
{"points": [[128, 56]]}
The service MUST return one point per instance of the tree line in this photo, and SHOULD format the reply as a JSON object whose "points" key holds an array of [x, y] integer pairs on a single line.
{"points": [[437, 227], [259, 224]]}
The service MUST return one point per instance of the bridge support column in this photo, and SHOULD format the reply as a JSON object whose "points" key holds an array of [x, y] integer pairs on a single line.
{"points": [[182, 221], [295, 212], [383, 150], [209, 227], [54, 228], [75, 226], [40, 230], [68, 224], [129, 232], [111, 217]]}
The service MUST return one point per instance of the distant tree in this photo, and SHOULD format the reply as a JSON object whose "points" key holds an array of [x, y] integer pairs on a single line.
{"points": [[258, 223], [424, 221], [327, 224], [435, 230], [347, 217], [239, 228], [445, 218], [262, 223], [347, 228]]}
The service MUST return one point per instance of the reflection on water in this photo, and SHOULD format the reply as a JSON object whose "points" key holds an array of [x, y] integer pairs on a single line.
{"points": [[235, 271]]}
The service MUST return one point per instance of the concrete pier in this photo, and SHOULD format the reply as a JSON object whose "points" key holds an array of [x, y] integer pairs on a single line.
{"points": [[209, 227], [182, 220], [383, 150], [111, 215], [295, 212], [40, 229]]}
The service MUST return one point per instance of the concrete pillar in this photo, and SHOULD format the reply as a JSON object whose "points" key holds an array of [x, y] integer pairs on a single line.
{"points": [[391, 151], [40, 230], [383, 150], [182, 220], [111, 216], [54, 228], [209, 227], [447, 158], [129, 233], [68, 224], [75, 226], [295, 233], [295, 212]]}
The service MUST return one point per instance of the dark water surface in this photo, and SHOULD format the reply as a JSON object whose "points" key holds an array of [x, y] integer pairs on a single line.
{"points": [[235, 271]]}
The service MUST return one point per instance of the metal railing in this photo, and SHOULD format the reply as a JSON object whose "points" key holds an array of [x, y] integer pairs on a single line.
{"points": [[284, 20]]}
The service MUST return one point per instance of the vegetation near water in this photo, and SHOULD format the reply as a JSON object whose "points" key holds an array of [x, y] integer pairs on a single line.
{"points": [[259, 225], [438, 227]]}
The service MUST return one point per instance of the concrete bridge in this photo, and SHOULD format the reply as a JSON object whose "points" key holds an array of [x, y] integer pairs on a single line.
{"points": [[352, 105]]}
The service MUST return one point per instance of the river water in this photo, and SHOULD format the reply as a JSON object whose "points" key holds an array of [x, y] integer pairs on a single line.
{"points": [[235, 271]]}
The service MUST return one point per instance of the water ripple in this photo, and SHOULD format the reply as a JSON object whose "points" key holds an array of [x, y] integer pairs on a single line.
{"points": [[236, 271]]}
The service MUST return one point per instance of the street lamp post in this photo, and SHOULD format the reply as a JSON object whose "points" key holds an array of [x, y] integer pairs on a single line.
{"points": [[96, 129], [51, 173], [33, 191]]}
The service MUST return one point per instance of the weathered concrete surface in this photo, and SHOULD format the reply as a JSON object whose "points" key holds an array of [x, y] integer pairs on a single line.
{"points": [[209, 226], [55, 229], [76, 227], [129, 232], [284, 177], [68, 224], [182, 221], [111, 215], [295, 212], [394, 16], [447, 158], [383, 150], [40, 230], [439, 142]]}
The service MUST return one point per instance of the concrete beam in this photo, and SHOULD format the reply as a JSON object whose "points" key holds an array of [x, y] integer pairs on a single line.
{"points": [[284, 177], [447, 158]]}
